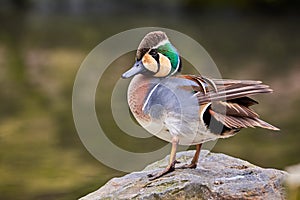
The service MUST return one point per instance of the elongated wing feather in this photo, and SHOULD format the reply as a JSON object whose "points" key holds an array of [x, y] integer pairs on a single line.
{"points": [[233, 109], [230, 102], [233, 91], [241, 122], [209, 90], [245, 101]]}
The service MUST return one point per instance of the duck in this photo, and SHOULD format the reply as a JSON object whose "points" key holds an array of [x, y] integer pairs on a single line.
{"points": [[186, 109]]}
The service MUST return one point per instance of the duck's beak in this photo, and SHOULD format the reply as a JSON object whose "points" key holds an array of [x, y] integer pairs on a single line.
{"points": [[137, 68]]}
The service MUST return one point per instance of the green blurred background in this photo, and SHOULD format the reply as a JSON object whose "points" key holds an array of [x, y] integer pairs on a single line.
{"points": [[42, 44]]}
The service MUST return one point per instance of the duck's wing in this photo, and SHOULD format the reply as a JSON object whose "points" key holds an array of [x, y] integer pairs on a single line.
{"points": [[229, 102], [224, 90], [236, 116]]}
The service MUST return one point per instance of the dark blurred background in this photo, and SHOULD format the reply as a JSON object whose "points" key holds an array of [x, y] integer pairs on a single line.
{"points": [[42, 44]]}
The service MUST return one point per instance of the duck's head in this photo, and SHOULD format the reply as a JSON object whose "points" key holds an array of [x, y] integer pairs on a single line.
{"points": [[156, 57]]}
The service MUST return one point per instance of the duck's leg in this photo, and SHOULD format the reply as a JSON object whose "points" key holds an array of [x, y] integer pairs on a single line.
{"points": [[172, 161], [195, 159]]}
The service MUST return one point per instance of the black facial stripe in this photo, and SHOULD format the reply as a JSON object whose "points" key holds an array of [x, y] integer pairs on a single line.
{"points": [[154, 54], [180, 65]]}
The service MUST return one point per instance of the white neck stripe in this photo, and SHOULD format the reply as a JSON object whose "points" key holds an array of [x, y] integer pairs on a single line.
{"points": [[149, 95], [177, 67], [161, 43]]}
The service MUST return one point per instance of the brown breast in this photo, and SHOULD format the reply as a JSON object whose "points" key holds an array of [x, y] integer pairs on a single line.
{"points": [[137, 92]]}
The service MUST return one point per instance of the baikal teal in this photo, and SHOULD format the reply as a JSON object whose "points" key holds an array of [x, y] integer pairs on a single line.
{"points": [[187, 109]]}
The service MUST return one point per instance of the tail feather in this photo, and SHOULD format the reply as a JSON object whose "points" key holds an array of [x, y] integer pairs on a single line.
{"points": [[266, 125], [234, 122]]}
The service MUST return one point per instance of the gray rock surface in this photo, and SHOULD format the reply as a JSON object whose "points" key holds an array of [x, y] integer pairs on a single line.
{"points": [[217, 176]]}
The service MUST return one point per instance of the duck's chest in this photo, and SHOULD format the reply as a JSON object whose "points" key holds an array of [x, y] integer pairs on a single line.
{"points": [[138, 91], [167, 107], [168, 100]]}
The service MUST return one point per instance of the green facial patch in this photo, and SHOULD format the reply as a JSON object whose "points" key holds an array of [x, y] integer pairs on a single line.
{"points": [[169, 51]]}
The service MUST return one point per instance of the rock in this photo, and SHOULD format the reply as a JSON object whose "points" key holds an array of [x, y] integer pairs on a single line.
{"points": [[217, 176]]}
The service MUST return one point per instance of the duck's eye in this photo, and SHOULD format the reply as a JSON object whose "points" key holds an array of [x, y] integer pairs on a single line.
{"points": [[154, 54]]}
